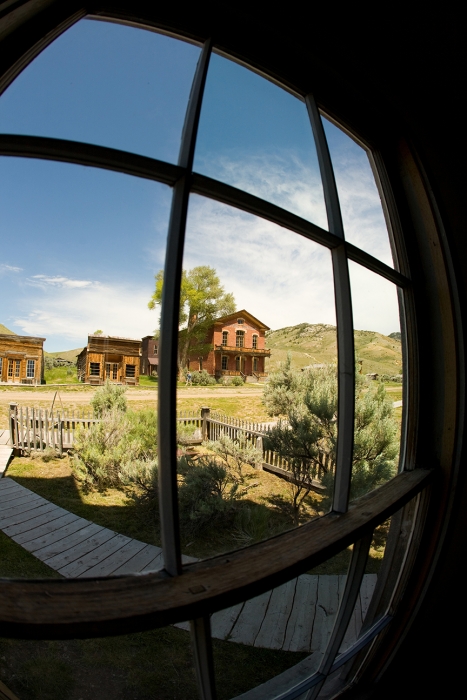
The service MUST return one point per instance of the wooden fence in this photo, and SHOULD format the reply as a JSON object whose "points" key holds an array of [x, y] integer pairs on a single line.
{"points": [[41, 428]]}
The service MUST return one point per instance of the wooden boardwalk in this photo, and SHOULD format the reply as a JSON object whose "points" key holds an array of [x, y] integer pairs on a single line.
{"points": [[297, 616], [5, 450]]}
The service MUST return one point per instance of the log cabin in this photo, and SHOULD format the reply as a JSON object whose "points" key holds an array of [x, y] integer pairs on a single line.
{"points": [[21, 359], [237, 348], [109, 357]]}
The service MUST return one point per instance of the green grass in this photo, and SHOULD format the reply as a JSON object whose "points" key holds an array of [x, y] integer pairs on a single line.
{"points": [[16, 562], [143, 666], [61, 375]]}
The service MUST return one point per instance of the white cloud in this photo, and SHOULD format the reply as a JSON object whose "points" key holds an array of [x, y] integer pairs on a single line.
{"points": [[277, 275], [58, 281], [361, 207], [9, 268], [281, 178], [71, 312]]}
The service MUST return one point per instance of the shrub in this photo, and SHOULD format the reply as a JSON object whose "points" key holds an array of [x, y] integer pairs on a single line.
{"points": [[225, 381], [107, 398], [236, 453], [118, 450], [202, 378], [237, 381], [207, 495]]}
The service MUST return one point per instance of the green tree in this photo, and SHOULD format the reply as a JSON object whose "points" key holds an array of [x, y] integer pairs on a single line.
{"points": [[307, 438], [202, 300]]}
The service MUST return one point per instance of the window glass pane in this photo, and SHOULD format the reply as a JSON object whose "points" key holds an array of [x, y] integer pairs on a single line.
{"points": [[81, 246], [280, 284], [257, 137], [360, 202], [378, 409], [107, 84]]}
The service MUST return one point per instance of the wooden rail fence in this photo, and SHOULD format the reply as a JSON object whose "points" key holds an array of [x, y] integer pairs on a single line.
{"points": [[40, 428]]}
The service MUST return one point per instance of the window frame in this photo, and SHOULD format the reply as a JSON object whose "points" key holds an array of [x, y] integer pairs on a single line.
{"points": [[28, 366], [94, 369], [413, 199]]}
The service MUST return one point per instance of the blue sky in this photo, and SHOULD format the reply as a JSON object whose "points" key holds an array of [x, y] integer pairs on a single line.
{"points": [[81, 245]]}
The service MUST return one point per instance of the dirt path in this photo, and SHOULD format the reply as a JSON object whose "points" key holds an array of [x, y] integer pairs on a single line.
{"points": [[83, 396]]}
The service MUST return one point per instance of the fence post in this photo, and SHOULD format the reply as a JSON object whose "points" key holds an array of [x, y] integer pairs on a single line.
{"points": [[14, 424], [60, 435], [259, 446], [205, 425]]}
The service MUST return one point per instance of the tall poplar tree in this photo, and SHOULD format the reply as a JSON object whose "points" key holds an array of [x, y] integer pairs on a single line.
{"points": [[202, 300]]}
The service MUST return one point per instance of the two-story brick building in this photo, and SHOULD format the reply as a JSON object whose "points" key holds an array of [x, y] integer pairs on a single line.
{"points": [[109, 357], [237, 347], [149, 356], [21, 359]]}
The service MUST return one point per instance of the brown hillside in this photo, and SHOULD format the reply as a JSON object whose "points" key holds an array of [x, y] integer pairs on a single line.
{"points": [[66, 354], [316, 343], [5, 330]]}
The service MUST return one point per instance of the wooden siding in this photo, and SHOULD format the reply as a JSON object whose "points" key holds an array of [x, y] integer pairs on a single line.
{"points": [[113, 351], [15, 348]]}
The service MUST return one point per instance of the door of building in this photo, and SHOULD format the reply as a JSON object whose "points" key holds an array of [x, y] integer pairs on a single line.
{"points": [[14, 371], [111, 371]]}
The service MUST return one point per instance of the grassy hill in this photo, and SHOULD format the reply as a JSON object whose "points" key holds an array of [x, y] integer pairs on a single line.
{"points": [[66, 354], [4, 329], [316, 343]]}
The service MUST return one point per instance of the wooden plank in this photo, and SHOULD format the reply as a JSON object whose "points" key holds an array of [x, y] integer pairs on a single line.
{"points": [[139, 561], [58, 550], [8, 482], [326, 610], [50, 532], [300, 625], [13, 504], [223, 621], [7, 493], [108, 566], [354, 626], [32, 510], [156, 564], [80, 566], [40, 518], [366, 591], [272, 632], [5, 455], [250, 619]]}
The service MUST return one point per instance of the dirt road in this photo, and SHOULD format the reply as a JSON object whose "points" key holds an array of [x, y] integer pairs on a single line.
{"points": [[83, 396]]}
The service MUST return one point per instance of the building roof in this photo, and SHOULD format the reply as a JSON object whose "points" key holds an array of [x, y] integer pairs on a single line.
{"points": [[246, 315], [21, 338]]}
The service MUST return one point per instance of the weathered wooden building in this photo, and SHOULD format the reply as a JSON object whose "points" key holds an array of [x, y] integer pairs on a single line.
{"points": [[237, 347], [21, 359], [109, 357], [149, 356]]}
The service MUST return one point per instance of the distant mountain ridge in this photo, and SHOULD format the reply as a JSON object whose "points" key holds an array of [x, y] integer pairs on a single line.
{"points": [[311, 344]]}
